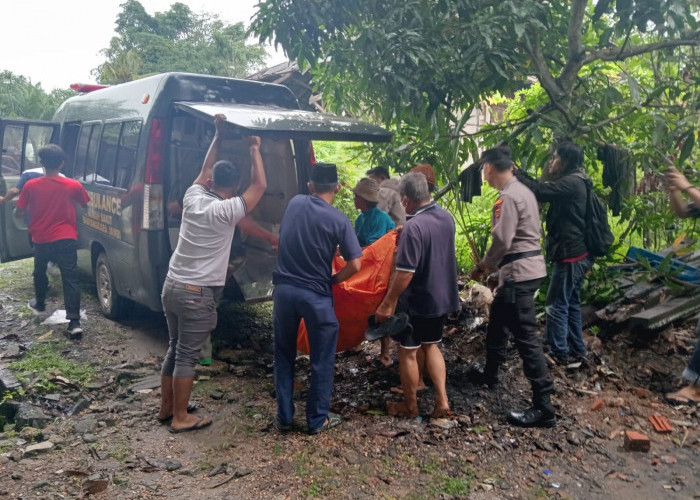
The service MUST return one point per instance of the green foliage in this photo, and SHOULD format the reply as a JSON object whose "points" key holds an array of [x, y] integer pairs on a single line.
{"points": [[20, 98], [352, 162], [605, 72], [176, 40]]}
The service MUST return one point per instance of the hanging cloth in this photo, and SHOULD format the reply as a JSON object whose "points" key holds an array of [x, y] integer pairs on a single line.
{"points": [[470, 182], [618, 175]]}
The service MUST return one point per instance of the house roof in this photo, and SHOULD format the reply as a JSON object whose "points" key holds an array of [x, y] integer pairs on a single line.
{"points": [[288, 74]]}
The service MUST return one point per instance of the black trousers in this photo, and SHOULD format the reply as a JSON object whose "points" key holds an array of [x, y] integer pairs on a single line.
{"points": [[518, 319], [63, 253]]}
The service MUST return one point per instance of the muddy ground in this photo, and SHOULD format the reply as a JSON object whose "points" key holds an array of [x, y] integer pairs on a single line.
{"points": [[93, 430]]}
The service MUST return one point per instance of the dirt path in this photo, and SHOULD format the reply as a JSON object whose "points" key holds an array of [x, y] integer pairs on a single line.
{"points": [[114, 442]]}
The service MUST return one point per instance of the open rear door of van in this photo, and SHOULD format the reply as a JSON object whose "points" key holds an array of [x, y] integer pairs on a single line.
{"points": [[267, 121], [254, 277], [20, 141]]}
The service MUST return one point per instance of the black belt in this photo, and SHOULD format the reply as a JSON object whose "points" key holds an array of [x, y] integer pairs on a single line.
{"points": [[512, 257]]}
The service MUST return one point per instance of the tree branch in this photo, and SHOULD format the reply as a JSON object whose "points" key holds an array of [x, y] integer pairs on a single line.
{"points": [[578, 9], [590, 128], [545, 78], [615, 54], [576, 51]]}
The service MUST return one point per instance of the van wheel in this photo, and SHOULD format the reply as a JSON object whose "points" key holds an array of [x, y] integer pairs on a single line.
{"points": [[111, 303]]}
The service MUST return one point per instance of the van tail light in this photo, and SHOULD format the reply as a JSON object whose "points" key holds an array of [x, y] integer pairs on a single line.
{"points": [[153, 205]]}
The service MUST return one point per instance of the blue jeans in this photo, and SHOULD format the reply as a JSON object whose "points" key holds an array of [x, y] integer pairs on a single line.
{"points": [[291, 305], [563, 306]]}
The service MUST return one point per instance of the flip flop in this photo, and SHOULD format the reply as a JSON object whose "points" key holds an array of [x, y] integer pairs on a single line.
{"points": [[191, 408], [680, 402], [395, 325], [194, 427], [332, 420]]}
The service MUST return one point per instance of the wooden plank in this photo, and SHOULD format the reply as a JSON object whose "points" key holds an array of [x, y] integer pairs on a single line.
{"points": [[666, 312]]}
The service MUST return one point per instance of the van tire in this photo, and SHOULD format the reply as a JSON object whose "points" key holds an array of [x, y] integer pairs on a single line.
{"points": [[112, 304]]}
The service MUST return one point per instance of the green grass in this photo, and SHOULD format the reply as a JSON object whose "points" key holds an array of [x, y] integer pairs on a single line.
{"points": [[119, 452], [454, 485], [537, 493], [44, 361]]}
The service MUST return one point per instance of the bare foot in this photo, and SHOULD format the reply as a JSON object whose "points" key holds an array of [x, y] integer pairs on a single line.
{"points": [[440, 413], [386, 360], [689, 394], [399, 390], [401, 410]]}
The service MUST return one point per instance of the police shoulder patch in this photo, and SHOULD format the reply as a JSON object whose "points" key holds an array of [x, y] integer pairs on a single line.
{"points": [[497, 208]]}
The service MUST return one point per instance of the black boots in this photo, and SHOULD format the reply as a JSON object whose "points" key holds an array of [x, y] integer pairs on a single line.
{"points": [[541, 414], [478, 376]]}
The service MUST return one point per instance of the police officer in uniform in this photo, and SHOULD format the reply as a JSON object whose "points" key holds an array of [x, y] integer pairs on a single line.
{"points": [[516, 252]]}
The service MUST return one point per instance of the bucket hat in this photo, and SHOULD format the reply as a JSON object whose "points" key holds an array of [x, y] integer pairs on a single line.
{"points": [[367, 189]]}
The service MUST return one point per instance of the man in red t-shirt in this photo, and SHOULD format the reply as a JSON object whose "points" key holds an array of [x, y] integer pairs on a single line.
{"points": [[50, 202]]}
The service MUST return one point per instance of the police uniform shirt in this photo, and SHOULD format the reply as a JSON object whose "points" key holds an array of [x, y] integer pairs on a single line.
{"points": [[515, 228]]}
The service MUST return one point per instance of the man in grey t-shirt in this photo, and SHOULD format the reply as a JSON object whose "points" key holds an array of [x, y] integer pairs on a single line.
{"points": [[197, 271]]}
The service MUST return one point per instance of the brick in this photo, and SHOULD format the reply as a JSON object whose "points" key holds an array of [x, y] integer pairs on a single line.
{"points": [[660, 423], [642, 393], [636, 441], [597, 404]]}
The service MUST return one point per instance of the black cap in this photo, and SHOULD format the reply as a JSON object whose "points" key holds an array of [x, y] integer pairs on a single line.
{"points": [[383, 171], [324, 173]]}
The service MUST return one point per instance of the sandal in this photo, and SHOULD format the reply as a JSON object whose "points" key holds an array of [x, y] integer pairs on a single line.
{"points": [[191, 408], [679, 400], [332, 420], [201, 423]]}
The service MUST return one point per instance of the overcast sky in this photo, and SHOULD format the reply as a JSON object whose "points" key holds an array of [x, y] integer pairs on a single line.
{"points": [[58, 42]]}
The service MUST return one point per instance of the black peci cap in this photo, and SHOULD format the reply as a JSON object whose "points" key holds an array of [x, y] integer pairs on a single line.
{"points": [[383, 171], [324, 173]]}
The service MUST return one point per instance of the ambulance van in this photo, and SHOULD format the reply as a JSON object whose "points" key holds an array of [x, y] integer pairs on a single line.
{"points": [[138, 146]]}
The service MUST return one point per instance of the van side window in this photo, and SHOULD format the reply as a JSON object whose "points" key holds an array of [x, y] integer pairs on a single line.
{"points": [[126, 155], [107, 158], [69, 142], [81, 153], [91, 156]]}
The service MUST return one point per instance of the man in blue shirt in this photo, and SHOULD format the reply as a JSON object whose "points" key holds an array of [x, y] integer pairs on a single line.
{"points": [[372, 223], [310, 232]]}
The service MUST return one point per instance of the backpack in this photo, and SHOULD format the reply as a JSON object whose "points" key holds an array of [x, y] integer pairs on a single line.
{"points": [[597, 234]]}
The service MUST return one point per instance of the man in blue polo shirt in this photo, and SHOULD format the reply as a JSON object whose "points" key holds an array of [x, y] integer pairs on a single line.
{"points": [[310, 232], [426, 273]]}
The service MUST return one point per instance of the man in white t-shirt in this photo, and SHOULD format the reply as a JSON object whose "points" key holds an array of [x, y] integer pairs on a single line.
{"points": [[197, 271]]}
